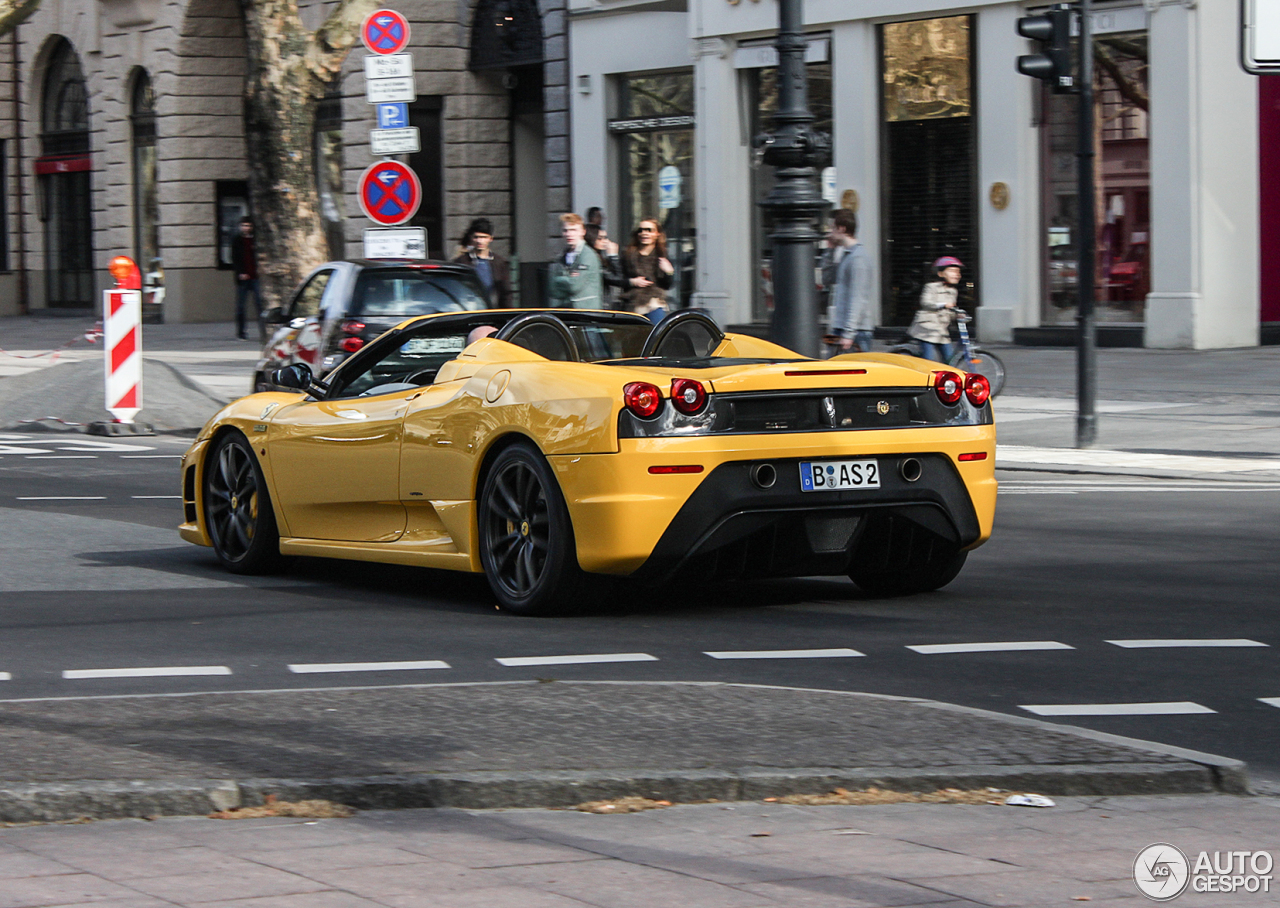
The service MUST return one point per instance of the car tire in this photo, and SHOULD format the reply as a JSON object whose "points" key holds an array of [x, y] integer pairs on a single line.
{"points": [[237, 508], [899, 558], [527, 544]]}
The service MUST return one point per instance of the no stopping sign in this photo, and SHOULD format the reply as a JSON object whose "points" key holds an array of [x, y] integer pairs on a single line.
{"points": [[389, 193]]}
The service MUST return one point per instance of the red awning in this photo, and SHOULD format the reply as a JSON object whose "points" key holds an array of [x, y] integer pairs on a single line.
{"points": [[62, 163]]}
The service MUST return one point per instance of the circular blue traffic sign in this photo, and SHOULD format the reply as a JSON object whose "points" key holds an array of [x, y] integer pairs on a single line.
{"points": [[389, 193], [385, 32]]}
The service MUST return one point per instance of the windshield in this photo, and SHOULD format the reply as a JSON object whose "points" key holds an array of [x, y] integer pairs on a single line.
{"points": [[401, 294]]}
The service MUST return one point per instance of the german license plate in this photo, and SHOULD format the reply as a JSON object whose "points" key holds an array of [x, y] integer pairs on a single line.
{"points": [[839, 475]]}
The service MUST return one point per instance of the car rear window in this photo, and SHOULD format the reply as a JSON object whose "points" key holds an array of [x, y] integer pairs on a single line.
{"points": [[402, 294]]}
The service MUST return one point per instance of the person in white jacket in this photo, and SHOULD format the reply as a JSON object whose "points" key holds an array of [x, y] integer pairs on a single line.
{"points": [[851, 318], [932, 324]]}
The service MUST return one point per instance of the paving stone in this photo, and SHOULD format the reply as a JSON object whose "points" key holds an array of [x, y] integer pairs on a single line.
{"points": [[850, 892], [247, 881], [67, 889]]}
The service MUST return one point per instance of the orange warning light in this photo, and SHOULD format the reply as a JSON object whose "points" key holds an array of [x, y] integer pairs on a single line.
{"points": [[126, 273]]}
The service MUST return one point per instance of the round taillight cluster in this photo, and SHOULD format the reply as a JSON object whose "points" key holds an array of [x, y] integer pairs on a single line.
{"points": [[688, 395], [642, 399], [352, 344], [351, 326], [949, 387], [977, 388]]}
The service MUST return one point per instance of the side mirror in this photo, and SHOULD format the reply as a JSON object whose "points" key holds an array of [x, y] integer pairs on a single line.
{"points": [[274, 316], [298, 377]]}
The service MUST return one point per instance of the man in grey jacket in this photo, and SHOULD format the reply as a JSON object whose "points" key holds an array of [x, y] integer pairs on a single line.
{"points": [[576, 276], [851, 318]]}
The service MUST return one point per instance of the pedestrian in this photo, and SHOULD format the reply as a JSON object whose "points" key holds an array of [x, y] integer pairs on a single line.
{"points": [[244, 264], [575, 281], [851, 321], [932, 324], [647, 271], [492, 269], [610, 264]]}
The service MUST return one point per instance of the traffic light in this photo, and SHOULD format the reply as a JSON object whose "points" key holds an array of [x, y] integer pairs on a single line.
{"points": [[1053, 64]]}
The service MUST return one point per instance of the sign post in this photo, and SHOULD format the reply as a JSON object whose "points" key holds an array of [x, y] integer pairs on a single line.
{"points": [[122, 351], [389, 191]]}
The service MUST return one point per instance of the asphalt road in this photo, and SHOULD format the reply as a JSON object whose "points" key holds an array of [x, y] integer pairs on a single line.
{"points": [[95, 585]]}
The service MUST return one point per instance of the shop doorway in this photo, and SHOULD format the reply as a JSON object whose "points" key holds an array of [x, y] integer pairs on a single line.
{"points": [[65, 188], [929, 157]]}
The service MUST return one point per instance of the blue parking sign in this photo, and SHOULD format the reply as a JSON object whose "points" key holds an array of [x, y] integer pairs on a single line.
{"points": [[393, 116]]}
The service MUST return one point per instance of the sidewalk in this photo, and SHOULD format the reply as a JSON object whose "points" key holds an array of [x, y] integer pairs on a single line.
{"points": [[746, 855]]}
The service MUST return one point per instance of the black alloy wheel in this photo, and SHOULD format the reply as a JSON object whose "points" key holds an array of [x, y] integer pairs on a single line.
{"points": [[237, 508], [526, 538]]}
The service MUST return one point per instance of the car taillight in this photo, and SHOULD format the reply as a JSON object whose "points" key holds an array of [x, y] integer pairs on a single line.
{"points": [[977, 388], [642, 398], [949, 387], [688, 395], [352, 344], [351, 326]]}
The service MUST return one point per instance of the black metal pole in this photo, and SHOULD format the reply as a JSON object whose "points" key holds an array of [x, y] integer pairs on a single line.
{"points": [[1087, 357], [795, 201]]}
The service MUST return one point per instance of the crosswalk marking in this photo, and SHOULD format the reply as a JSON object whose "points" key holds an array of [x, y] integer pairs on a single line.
{"points": [[323, 667], [1169, 643], [516, 661], [1172, 708], [785, 654], [932, 649], [174, 671]]}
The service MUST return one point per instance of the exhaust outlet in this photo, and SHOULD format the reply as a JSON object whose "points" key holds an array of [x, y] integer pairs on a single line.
{"points": [[910, 469], [763, 475]]}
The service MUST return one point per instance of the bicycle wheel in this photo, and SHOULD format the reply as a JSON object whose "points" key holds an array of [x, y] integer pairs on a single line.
{"points": [[985, 363]]}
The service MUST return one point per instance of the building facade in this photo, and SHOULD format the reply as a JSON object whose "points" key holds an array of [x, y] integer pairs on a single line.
{"points": [[122, 133], [942, 148]]}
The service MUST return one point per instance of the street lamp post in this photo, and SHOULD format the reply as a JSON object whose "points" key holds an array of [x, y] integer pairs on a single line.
{"points": [[796, 150]]}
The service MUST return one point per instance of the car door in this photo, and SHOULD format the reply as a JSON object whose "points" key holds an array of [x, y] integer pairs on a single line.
{"points": [[306, 319], [336, 467]]}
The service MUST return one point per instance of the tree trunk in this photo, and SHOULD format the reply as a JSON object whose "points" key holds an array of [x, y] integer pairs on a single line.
{"points": [[14, 12], [289, 69]]}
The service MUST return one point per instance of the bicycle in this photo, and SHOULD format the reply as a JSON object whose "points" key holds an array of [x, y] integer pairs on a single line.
{"points": [[970, 357]]}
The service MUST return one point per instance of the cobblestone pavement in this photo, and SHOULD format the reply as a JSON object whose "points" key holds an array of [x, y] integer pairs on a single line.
{"points": [[745, 855]]}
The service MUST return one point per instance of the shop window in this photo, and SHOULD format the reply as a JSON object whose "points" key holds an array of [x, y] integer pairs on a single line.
{"points": [[65, 188], [762, 85], [928, 159], [654, 133], [328, 158], [1122, 202], [231, 204], [146, 198]]}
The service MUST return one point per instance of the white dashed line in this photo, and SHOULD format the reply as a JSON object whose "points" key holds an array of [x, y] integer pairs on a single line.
{"points": [[516, 661], [62, 457], [1175, 708], [323, 667], [786, 654], [175, 671], [150, 456], [1270, 701], [147, 497], [932, 649], [63, 498], [1162, 644], [5, 676]]}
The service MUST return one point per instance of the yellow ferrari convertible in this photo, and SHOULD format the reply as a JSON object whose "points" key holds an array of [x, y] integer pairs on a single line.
{"points": [[542, 447]]}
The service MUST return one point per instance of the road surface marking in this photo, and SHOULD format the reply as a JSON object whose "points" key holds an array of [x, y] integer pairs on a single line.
{"points": [[63, 498], [151, 456], [785, 654], [1175, 708], [154, 496], [176, 671], [62, 457], [1162, 644], [1270, 701], [515, 661], [931, 649], [321, 667], [5, 676]]}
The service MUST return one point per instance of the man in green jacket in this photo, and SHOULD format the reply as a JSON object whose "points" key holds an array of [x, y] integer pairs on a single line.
{"points": [[576, 280]]}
